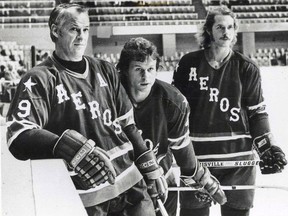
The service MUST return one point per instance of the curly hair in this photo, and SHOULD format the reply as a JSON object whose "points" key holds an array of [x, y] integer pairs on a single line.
{"points": [[203, 37]]}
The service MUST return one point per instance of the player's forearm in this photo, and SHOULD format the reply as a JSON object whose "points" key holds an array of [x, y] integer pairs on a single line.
{"points": [[136, 139], [186, 159], [259, 125], [34, 144]]}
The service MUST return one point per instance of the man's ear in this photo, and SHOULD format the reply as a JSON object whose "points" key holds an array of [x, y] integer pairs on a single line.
{"points": [[54, 30]]}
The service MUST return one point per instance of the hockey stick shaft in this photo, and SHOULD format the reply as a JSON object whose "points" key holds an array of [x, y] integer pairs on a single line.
{"points": [[233, 187], [162, 208]]}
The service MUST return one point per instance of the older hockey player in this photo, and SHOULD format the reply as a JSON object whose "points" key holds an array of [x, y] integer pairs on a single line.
{"points": [[161, 113], [73, 107], [228, 115]]}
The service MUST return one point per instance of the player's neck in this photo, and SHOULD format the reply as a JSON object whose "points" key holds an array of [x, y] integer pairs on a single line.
{"points": [[138, 96], [218, 54], [216, 57]]}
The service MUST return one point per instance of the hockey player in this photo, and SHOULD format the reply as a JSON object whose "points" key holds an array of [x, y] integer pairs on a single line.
{"points": [[73, 107], [228, 117], [161, 113]]}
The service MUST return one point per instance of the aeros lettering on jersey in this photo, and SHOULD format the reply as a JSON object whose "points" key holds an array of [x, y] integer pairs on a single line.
{"points": [[224, 103], [93, 107]]}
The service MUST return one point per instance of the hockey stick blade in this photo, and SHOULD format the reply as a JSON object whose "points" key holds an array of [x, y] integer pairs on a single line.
{"points": [[233, 187]]}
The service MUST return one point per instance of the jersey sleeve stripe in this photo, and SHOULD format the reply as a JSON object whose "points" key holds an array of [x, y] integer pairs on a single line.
{"points": [[127, 118], [106, 191], [218, 138], [180, 143], [262, 104], [120, 150], [15, 128], [225, 156]]}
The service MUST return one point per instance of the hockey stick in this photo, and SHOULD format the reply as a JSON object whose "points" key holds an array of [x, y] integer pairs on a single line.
{"points": [[162, 208], [233, 187]]}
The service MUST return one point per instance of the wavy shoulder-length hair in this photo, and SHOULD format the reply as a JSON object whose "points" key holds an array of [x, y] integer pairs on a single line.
{"points": [[203, 37]]}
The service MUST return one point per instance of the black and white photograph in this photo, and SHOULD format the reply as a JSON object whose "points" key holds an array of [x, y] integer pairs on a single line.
{"points": [[144, 107]]}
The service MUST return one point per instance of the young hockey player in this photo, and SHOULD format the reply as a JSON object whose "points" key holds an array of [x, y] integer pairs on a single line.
{"points": [[228, 117], [73, 107], [161, 113]]}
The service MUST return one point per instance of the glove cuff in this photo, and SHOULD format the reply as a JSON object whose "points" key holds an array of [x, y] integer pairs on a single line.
{"points": [[148, 166], [73, 147], [263, 143]]}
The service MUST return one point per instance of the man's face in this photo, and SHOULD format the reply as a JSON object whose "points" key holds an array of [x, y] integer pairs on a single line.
{"points": [[73, 35], [142, 75], [223, 31]]}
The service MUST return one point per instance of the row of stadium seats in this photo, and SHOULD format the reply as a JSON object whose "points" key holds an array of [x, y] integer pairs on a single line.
{"points": [[21, 15], [27, 4], [129, 3], [271, 56], [22, 4], [109, 18], [25, 12], [244, 2], [120, 13], [124, 17], [141, 10], [259, 8], [248, 10], [249, 15], [263, 57], [101, 10], [13, 64]]}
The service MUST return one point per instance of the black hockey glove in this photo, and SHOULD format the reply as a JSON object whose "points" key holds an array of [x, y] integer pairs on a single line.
{"points": [[153, 176], [207, 185], [91, 163], [272, 157]]}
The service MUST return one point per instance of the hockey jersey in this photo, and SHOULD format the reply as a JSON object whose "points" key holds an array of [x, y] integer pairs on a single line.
{"points": [[222, 101], [163, 120], [94, 103]]}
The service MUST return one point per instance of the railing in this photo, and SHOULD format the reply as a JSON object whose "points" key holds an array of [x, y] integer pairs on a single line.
{"points": [[25, 4]]}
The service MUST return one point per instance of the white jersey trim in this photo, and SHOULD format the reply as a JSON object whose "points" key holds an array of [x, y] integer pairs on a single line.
{"points": [[127, 117], [122, 175], [222, 156], [27, 125], [104, 192], [186, 141], [256, 106], [219, 138], [120, 150]]}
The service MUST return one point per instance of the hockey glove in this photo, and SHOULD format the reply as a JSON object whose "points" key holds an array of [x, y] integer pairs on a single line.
{"points": [[153, 176], [272, 157], [91, 163], [207, 184]]}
